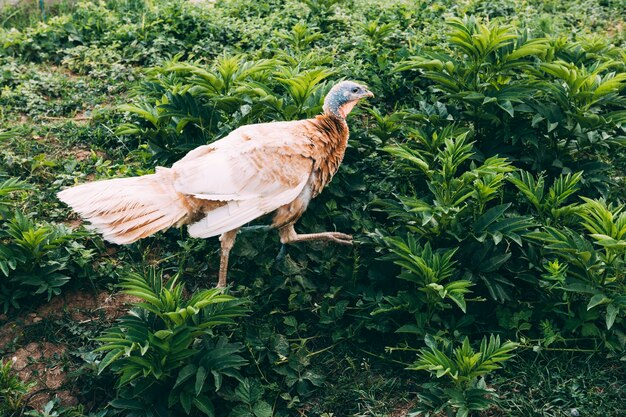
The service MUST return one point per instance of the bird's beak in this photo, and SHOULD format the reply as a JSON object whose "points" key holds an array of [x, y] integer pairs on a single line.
{"points": [[368, 93]]}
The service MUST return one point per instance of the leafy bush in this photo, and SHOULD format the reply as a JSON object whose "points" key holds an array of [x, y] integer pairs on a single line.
{"points": [[546, 106], [526, 248], [466, 370], [580, 272], [456, 218], [165, 352], [37, 260]]}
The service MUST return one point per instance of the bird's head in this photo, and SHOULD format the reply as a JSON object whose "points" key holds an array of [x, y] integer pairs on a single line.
{"points": [[343, 97]]}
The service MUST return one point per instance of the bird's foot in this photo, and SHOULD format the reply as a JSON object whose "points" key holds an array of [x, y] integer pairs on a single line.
{"points": [[337, 237]]}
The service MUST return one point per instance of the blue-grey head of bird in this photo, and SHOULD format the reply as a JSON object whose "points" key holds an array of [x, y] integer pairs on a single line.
{"points": [[343, 97]]}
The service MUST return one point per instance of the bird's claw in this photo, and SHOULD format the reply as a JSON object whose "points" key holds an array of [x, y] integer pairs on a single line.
{"points": [[340, 238]]}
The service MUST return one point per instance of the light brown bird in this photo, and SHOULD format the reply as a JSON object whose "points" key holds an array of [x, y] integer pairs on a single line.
{"points": [[217, 188]]}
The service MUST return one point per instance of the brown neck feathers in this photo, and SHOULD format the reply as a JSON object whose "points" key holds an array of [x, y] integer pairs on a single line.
{"points": [[332, 127], [330, 143]]}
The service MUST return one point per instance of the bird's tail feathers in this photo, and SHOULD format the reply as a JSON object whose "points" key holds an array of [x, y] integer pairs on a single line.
{"points": [[127, 209]]}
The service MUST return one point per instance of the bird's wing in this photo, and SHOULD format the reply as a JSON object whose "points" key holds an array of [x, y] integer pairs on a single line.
{"points": [[255, 170]]}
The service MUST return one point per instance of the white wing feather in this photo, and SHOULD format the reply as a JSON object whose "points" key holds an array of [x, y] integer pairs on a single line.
{"points": [[254, 177]]}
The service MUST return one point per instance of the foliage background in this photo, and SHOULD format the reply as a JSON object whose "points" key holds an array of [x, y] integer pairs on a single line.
{"points": [[483, 185]]}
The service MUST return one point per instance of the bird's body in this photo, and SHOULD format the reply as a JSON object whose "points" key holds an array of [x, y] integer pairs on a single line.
{"points": [[217, 188]]}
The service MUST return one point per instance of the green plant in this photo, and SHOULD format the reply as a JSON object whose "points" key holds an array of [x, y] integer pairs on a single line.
{"points": [[250, 393], [430, 272], [457, 216], [7, 187], [322, 10], [549, 206], [546, 106], [36, 259], [465, 369], [590, 275], [12, 389], [165, 352], [300, 37]]}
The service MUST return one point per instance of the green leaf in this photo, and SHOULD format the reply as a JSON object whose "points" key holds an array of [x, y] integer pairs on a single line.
{"points": [[185, 401], [611, 314], [489, 217], [459, 300], [262, 409], [109, 359], [204, 404], [185, 374], [126, 404], [506, 106], [597, 300], [249, 391], [430, 341], [409, 328], [163, 334], [240, 410], [201, 375]]}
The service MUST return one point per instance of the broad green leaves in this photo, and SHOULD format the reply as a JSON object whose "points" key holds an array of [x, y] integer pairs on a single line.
{"points": [[466, 369], [429, 271], [36, 259], [7, 187], [546, 103], [163, 351]]}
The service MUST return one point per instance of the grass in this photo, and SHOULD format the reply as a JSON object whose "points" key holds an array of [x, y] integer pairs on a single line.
{"points": [[562, 385]]}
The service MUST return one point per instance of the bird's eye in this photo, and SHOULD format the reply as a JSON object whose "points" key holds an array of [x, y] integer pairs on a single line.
{"points": [[355, 90]]}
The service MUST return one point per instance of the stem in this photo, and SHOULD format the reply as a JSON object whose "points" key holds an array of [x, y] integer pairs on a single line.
{"points": [[322, 350], [386, 359]]}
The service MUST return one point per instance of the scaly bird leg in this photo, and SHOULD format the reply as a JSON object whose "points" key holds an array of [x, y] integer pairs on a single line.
{"points": [[228, 241], [288, 235]]}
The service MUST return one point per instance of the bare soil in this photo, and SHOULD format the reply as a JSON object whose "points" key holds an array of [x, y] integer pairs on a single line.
{"points": [[47, 364]]}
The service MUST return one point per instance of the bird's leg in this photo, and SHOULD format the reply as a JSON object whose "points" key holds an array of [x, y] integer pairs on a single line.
{"points": [[227, 241], [288, 235]]}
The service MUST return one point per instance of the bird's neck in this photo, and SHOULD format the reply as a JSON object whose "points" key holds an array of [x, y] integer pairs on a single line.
{"points": [[329, 146], [332, 126], [341, 111], [333, 112], [335, 105]]}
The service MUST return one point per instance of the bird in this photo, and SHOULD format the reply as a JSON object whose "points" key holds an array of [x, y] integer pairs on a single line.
{"points": [[215, 189]]}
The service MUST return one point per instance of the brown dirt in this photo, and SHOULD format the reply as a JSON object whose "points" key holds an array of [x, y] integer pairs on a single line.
{"points": [[616, 30], [82, 154], [46, 363], [42, 363]]}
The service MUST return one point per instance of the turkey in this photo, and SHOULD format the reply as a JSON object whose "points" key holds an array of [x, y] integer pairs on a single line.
{"points": [[217, 188]]}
